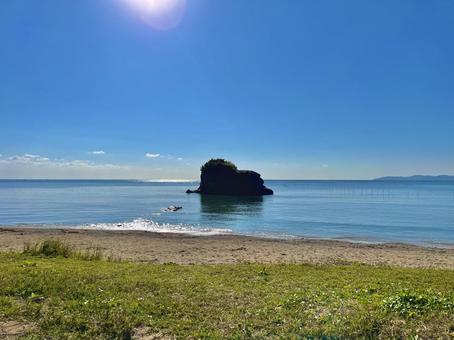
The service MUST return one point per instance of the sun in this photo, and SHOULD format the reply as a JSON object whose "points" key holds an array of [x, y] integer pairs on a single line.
{"points": [[161, 14], [154, 7]]}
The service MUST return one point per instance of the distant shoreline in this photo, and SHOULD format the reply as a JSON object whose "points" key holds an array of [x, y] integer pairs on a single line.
{"points": [[416, 178], [218, 249]]}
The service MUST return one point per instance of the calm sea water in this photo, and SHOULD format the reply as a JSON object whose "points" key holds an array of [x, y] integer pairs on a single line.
{"points": [[371, 211]]}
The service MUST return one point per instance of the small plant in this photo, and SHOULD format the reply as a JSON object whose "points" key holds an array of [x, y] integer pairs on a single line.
{"points": [[409, 304], [49, 248], [55, 248], [264, 273], [218, 162]]}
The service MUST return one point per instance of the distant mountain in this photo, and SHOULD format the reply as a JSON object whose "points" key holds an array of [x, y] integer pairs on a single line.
{"points": [[416, 178]]}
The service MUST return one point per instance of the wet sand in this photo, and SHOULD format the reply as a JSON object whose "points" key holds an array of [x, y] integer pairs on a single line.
{"points": [[150, 247]]}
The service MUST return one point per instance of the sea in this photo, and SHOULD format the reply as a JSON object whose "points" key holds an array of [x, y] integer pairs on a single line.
{"points": [[414, 212]]}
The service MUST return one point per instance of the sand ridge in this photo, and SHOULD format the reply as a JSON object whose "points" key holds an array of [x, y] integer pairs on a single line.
{"points": [[151, 247]]}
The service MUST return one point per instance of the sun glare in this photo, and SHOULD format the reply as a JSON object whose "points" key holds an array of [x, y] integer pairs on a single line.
{"points": [[161, 14]]}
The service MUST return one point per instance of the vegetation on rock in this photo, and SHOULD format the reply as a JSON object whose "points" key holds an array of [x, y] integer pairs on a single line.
{"points": [[218, 162]]}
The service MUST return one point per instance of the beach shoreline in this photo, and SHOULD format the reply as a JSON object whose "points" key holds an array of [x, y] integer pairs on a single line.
{"points": [[180, 248]]}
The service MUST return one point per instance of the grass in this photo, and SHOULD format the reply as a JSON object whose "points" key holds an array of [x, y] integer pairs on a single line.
{"points": [[65, 296], [54, 248]]}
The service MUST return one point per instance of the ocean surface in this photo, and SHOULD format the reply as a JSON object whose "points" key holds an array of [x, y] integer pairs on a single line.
{"points": [[364, 211]]}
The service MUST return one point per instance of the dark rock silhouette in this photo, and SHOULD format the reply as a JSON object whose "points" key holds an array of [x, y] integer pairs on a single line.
{"points": [[173, 208], [220, 177]]}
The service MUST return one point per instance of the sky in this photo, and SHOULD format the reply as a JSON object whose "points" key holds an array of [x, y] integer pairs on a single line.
{"points": [[294, 89]]}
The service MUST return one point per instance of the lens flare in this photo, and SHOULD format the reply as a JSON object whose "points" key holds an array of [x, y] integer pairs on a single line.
{"points": [[160, 14]]}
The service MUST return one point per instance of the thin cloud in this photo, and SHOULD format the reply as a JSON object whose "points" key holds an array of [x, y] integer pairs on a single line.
{"points": [[36, 166], [97, 152], [171, 157], [40, 167], [30, 160], [152, 155], [27, 158]]}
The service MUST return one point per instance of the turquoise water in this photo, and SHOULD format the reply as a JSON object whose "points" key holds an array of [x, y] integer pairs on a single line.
{"points": [[371, 211]]}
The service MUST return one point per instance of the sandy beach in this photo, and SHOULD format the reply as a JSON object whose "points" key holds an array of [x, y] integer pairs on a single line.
{"points": [[150, 247]]}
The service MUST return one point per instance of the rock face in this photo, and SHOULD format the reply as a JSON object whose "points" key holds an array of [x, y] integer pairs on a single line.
{"points": [[220, 177]]}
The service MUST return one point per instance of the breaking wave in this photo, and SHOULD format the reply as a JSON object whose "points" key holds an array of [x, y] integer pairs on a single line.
{"points": [[142, 224]]}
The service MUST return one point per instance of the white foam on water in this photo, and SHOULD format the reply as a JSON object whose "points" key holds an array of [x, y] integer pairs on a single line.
{"points": [[142, 224]]}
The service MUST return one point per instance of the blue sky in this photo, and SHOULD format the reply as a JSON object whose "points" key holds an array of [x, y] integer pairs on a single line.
{"points": [[290, 88]]}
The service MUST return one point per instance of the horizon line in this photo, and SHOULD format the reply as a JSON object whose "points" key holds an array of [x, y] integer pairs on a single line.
{"points": [[198, 180]]}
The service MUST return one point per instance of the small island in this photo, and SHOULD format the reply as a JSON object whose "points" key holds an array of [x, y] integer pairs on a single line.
{"points": [[221, 177]]}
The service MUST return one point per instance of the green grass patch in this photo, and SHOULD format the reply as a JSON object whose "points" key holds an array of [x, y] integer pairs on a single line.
{"points": [[68, 297], [54, 248]]}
